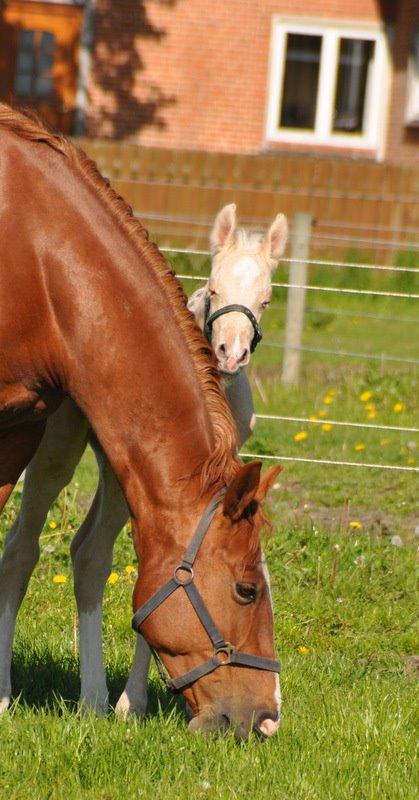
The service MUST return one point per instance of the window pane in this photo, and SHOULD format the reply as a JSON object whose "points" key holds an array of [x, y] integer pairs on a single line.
{"points": [[26, 39], [355, 57], [301, 78], [43, 87], [23, 85]]}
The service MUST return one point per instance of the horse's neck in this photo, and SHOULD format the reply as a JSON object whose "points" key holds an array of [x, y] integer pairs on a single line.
{"points": [[126, 364]]}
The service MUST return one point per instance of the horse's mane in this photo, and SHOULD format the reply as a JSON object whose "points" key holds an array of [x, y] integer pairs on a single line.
{"points": [[223, 463]]}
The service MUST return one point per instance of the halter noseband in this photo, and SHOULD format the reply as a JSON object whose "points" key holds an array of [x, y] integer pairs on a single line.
{"points": [[224, 653], [209, 320]]}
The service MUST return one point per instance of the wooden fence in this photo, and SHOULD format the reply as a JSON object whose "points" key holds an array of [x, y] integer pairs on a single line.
{"points": [[357, 205]]}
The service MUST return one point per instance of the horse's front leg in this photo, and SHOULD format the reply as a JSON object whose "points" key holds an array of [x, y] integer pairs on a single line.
{"points": [[91, 552], [50, 470]]}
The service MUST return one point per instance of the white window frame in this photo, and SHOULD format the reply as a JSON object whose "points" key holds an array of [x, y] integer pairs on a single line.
{"points": [[377, 90]]}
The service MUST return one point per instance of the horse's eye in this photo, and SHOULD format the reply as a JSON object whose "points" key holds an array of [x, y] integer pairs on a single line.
{"points": [[212, 293], [265, 303], [245, 592]]}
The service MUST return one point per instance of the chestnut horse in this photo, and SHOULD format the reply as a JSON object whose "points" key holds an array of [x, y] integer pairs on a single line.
{"points": [[77, 271]]}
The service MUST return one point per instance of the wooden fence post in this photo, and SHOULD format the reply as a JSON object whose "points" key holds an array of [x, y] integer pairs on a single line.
{"points": [[300, 248]]}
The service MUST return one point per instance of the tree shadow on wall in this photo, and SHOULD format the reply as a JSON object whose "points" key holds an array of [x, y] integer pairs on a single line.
{"points": [[128, 103]]}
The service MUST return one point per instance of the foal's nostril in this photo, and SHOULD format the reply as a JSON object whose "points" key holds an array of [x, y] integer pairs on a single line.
{"points": [[222, 349], [244, 355]]}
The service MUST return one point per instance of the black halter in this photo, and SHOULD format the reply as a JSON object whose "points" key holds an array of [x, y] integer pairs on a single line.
{"points": [[224, 654], [209, 320]]}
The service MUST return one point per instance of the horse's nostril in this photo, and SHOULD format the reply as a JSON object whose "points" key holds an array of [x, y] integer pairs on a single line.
{"points": [[244, 355], [266, 723], [222, 349]]}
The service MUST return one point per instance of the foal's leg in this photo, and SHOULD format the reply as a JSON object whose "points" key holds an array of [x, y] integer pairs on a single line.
{"points": [[49, 471], [91, 551]]}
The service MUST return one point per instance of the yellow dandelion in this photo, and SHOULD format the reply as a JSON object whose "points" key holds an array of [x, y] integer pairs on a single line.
{"points": [[322, 413], [385, 441], [113, 578], [326, 426], [313, 418], [52, 525], [303, 649], [411, 460], [355, 524], [371, 415], [129, 569], [365, 396], [369, 406], [327, 400], [398, 407], [60, 579], [300, 436], [332, 392], [359, 446]]}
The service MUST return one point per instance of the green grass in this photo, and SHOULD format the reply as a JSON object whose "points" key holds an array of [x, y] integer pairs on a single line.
{"points": [[346, 595]]}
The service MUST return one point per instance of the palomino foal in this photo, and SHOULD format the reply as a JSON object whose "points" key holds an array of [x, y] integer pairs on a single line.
{"points": [[73, 278]]}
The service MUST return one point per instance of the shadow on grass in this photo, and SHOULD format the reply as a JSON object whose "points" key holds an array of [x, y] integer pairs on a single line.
{"points": [[41, 679]]}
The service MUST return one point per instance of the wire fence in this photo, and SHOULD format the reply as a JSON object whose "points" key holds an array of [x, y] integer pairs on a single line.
{"points": [[277, 418]]}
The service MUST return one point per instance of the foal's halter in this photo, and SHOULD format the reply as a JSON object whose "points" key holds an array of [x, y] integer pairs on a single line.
{"points": [[224, 653], [209, 320]]}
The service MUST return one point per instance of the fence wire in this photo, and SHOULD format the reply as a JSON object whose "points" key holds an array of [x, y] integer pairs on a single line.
{"points": [[333, 463]]}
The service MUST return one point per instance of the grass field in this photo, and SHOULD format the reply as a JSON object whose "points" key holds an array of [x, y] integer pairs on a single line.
{"points": [[345, 601]]}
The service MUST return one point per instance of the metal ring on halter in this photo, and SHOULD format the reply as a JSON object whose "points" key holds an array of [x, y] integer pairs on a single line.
{"points": [[226, 649], [184, 568]]}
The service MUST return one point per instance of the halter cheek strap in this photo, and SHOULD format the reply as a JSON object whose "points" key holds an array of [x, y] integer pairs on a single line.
{"points": [[224, 653], [210, 319]]}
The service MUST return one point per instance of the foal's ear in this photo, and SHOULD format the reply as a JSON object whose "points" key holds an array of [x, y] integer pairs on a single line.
{"points": [[242, 490], [276, 237], [224, 227], [266, 481]]}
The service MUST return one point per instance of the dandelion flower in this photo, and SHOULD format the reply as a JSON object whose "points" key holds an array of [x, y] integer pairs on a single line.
{"points": [[369, 406], [398, 407], [322, 413], [411, 460], [60, 579], [327, 400], [313, 418], [332, 392], [129, 569], [113, 578], [300, 436], [371, 415], [359, 446], [355, 524], [326, 426], [303, 649], [365, 396], [52, 525]]}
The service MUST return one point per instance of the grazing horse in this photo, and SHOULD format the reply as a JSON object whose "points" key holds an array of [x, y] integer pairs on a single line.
{"points": [[68, 431], [89, 309]]}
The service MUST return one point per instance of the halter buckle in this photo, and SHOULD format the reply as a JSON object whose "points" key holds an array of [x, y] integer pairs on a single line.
{"points": [[223, 653], [183, 568]]}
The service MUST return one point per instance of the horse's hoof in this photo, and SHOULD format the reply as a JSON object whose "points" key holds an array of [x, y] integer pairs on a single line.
{"points": [[4, 704], [124, 708]]}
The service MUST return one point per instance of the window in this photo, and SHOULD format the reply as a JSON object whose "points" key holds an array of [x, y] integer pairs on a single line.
{"points": [[328, 84], [35, 58]]}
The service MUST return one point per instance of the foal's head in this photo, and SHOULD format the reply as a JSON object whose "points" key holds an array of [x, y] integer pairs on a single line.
{"points": [[242, 267], [232, 578]]}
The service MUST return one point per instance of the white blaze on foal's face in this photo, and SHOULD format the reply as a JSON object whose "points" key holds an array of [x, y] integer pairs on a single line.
{"points": [[241, 274]]}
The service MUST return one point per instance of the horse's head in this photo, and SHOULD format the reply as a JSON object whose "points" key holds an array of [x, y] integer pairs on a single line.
{"points": [[241, 273], [230, 574]]}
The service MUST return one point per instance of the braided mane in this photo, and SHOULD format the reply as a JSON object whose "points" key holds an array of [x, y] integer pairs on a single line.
{"points": [[223, 463]]}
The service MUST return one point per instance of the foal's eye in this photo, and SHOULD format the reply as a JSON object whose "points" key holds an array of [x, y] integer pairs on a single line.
{"points": [[265, 303], [212, 293], [245, 592]]}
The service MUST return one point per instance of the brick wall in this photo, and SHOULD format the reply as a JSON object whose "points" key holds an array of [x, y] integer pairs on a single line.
{"points": [[193, 73]]}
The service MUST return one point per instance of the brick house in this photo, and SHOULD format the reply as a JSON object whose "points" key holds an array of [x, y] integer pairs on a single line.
{"points": [[338, 77]]}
